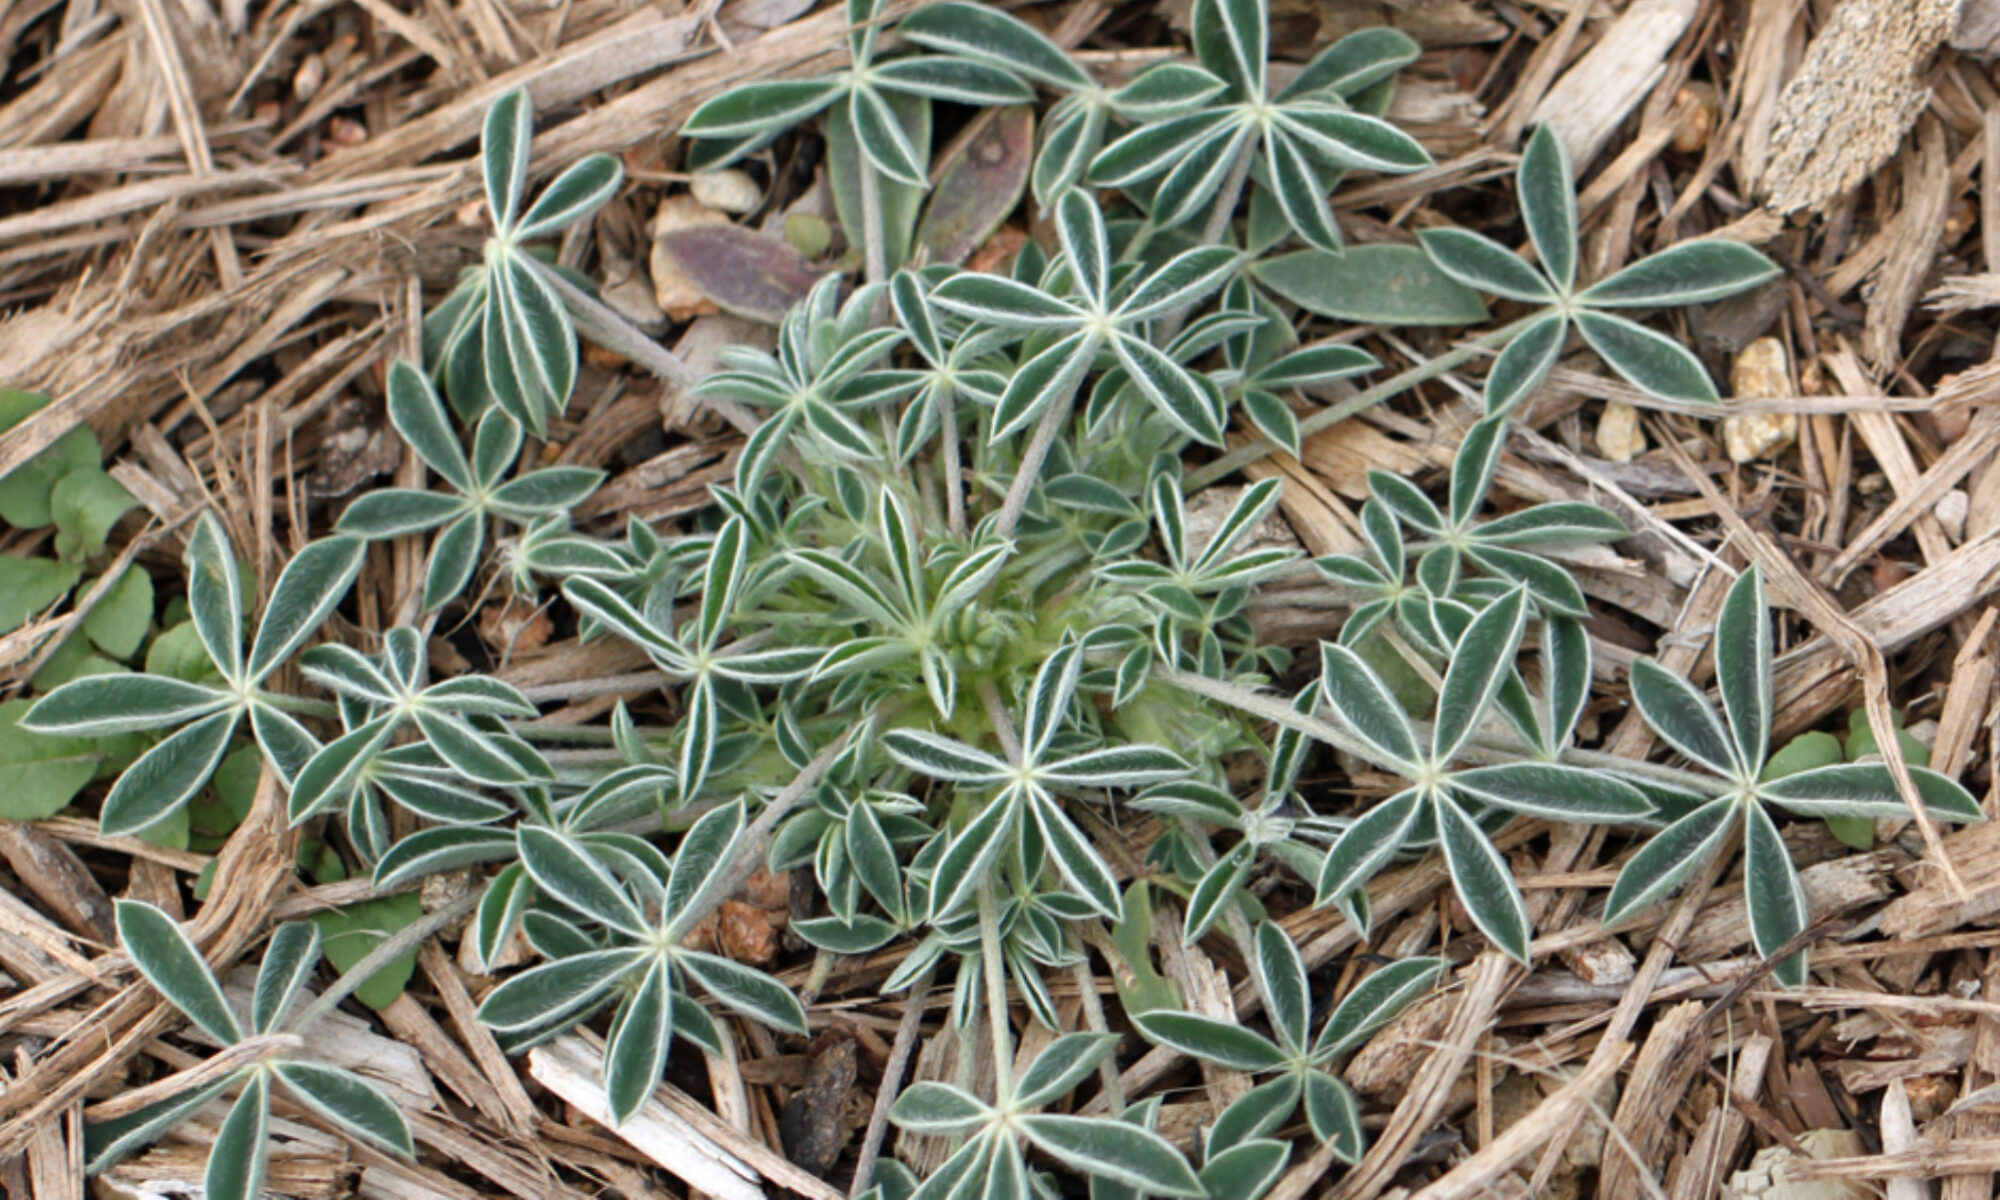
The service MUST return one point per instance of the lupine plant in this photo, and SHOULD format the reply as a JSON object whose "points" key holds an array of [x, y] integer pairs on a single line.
{"points": [[953, 621], [1299, 1059], [875, 109], [1303, 136], [504, 335], [166, 777], [236, 1162], [480, 482], [1688, 273], [1736, 745]]}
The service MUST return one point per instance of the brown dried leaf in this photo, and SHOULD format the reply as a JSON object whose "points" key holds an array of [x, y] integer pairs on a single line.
{"points": [[744, 272], [980, 184]]}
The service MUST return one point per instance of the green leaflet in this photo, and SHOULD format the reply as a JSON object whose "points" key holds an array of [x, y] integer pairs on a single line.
{"points": [[25, 492], [348, 934], [39, 773], [170, 962], [1388, 284]]}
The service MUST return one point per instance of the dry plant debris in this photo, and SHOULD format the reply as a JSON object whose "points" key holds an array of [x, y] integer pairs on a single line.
{"points": [[224, 223]]}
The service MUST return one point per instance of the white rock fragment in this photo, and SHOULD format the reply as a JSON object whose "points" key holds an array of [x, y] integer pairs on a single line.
{"points": [[1951, 511], [1764, 1179], [730, 190], [1761, 372], [1619, 438]]}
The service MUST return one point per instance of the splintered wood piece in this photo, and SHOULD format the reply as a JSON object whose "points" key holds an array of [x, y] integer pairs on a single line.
{"points": [[1932, 906], [1674, 1050], [572, 1070], [1966, 699], [1571, 1104], [54, 875], [1919, 231], [1590, 101], [1697, 1173], [1837, 886]]}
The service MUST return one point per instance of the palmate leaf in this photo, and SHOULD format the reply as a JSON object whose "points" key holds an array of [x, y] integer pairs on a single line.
{"points": [[575, 194], [1355, 63], [745, 989], [1211, 1041], [1743, 667], [991, 35], [938, 1109], [1691, 272], [636, 1051], [1670, 857], [1217, 889], [215, 595], [703, 850], [1373, 1003], [504, 144], [1281, 976], [1256, 1113], [1683, 717], [760, 108], [564, 988], [1244, 1171], [943, 758], [1553, 792], [1061, 1065], [289, 960], [1525, 363], [568, 873], [1371, 841], [1868, 790], [101, 705], [963, 868], [1481, 662], [312, 583], [167, 776], [1364, 703], [110, 1141], [1077, 860], [1649, 361]]}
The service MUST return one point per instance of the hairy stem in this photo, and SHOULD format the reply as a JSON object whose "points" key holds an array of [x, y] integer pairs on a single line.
{"points": [[1093, 1016], [1031, 466], [892, 1080], [1395, 385], [387, 950], [954, 469], [749, 848], [994, 968], [875, 253]]}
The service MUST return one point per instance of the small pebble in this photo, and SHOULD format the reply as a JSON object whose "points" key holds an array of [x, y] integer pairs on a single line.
{"points": [[1619, 438], [730, 190], [1951, 511], [310, 77], [1760, 372], [1698, 105]]}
